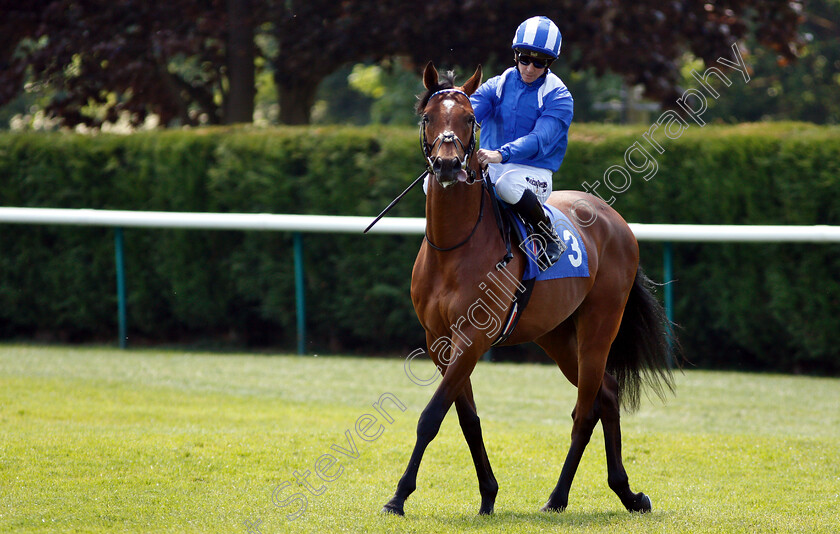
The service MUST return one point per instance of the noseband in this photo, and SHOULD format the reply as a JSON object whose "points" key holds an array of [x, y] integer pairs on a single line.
{"points": [[448, 136]]}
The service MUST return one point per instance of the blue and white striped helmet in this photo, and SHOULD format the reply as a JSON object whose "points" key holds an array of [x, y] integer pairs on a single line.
{"points": [[538, 34]]}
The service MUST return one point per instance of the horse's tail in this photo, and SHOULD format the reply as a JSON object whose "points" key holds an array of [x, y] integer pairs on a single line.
{"points": [[642, 351]]}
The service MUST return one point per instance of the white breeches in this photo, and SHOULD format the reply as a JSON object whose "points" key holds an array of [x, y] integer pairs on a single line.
{"points": [[512, 179]]}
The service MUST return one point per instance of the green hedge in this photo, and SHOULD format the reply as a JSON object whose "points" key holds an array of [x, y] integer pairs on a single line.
{"points": [[765, 306]]}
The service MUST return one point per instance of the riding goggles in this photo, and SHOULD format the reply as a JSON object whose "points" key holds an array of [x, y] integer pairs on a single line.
{"points": [[528, 60]]}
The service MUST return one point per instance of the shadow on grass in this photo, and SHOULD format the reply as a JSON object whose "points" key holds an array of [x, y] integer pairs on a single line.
{"points": [[549, 519]]}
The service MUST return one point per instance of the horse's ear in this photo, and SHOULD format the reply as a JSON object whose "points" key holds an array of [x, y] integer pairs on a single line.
{"points": [[473, 83], [430, 76]]}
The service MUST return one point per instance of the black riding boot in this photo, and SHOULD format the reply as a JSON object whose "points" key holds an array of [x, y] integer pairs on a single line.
{"points": [[551, 247]]}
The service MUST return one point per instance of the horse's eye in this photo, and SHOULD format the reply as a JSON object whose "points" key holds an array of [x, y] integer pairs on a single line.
{"points": [[425, 119]]}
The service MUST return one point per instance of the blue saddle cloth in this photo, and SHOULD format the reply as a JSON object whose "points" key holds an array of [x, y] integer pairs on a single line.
{"points": [[573, 263]]}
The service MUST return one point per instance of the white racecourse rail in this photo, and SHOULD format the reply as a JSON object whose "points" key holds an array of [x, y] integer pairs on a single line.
{"points": [[394, 225], [356, 225]]}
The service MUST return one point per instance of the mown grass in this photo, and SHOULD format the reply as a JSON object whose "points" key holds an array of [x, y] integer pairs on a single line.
{"points": [[152, 441]]}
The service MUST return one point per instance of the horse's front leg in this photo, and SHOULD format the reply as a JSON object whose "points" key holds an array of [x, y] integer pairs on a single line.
{"points": [[471, 426], [456, 375]]}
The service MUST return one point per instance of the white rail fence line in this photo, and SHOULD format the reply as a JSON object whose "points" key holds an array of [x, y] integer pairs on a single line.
{"points": [[393, 225], [298, 224]]}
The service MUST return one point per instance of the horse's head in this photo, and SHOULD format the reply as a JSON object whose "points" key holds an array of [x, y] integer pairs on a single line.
{"points": [[447, 128]]}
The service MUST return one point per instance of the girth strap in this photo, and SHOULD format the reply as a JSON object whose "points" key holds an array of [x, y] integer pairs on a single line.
{"points": [[517, 308]]}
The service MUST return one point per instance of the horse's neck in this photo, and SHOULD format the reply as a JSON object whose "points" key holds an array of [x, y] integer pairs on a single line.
{"points": [[445, 284], [452, 214]]}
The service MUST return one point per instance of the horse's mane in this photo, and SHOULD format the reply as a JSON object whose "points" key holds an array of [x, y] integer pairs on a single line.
{"points": [[447, 82]]}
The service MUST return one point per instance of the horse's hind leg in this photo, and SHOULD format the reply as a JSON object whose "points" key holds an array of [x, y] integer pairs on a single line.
{"points": [[562, 346], [616, 475], [595, 326], [584, 423], [471, 426]]}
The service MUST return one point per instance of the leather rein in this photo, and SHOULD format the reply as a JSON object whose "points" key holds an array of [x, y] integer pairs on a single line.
{"points": [[450, 137]]}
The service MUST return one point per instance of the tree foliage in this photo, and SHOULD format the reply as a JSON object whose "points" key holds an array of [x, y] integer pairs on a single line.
{"points": [[167, 58], [805, 90], [641, 40], [174, 58]]}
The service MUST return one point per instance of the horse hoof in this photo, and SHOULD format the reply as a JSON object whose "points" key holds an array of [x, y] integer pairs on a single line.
{"points": [[643, 504], [485, 510], [393, 509], [552, 508]]}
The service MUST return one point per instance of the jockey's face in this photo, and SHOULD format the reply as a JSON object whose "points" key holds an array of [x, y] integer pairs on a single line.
{"points": [[528, 67]]}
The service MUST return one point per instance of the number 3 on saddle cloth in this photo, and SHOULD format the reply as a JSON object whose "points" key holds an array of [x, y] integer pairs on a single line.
{"points": [[573, 263]]}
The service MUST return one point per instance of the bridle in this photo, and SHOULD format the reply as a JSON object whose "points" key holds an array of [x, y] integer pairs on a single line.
{"points": [[448, 136], [429, 151]]}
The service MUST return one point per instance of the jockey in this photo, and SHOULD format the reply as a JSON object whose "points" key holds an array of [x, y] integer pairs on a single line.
{"points": [[525, 114]]}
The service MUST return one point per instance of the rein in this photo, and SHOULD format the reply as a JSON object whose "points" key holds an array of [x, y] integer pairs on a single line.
{"points": [[464, 242], [469, 149], [448, 137]]}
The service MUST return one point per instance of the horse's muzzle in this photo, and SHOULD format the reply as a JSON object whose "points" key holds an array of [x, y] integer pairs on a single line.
{"points": [[448, 171]]}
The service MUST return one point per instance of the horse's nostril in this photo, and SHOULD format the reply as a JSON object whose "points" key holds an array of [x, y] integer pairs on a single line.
{"points": [[437, 165], [456, 164]]}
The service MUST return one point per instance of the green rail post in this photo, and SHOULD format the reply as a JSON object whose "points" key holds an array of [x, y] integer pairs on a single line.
{"points": [[121, 307], [300, 296], [668, 275]]}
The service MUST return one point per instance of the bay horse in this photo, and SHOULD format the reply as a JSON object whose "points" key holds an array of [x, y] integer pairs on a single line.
{"points": [[606, 332]]}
